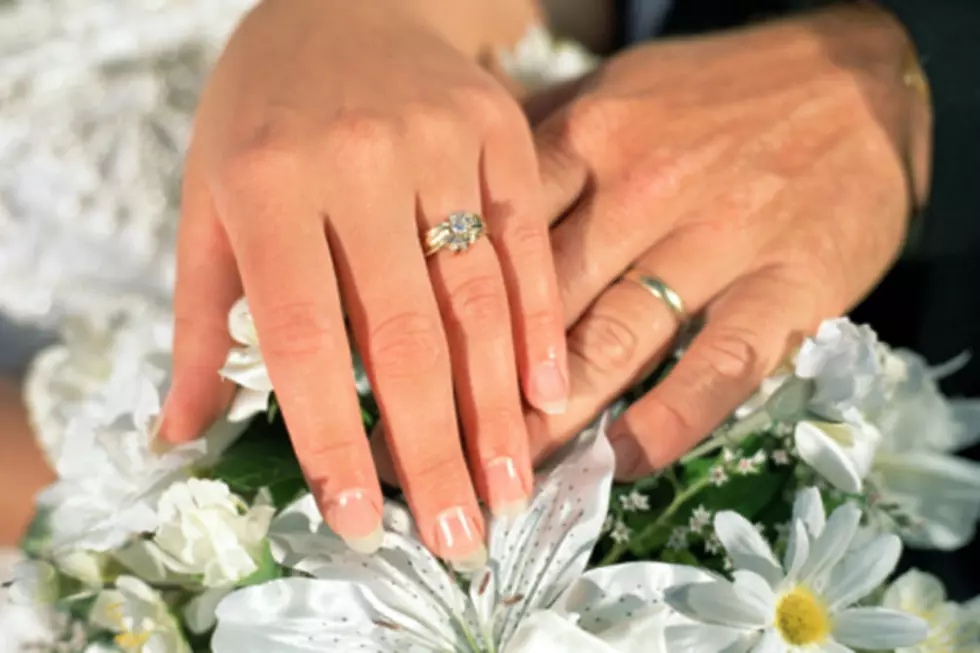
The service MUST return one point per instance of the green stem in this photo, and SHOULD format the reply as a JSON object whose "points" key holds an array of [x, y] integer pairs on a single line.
{"points": [[619, 548]]}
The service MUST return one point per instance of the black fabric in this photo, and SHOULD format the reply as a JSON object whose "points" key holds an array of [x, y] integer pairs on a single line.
{"points": [[930, 303]]}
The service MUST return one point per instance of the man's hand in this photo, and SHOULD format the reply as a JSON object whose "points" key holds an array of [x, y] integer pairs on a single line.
{"points": [[759, 174]]}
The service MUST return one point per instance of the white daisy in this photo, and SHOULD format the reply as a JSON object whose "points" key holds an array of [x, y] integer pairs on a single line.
{"points": [[803, 604], [401, 599]]}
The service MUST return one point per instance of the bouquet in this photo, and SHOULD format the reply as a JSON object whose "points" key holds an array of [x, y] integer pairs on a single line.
{"points": [[780, 532]]}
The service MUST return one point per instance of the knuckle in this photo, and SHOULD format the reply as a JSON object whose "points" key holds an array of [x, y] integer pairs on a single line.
{"points": [[673, 420], [730, 355], [406, 345], [361, 139], [526, 239], [490, 106], [543, 323], [432, 471], [257, 165], [495, 429], [297, 331], [478, 299], [323, 458], [605, 343]]}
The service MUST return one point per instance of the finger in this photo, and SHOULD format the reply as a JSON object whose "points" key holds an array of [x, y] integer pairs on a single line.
{"points": [[511, 198], [563, 171], [207, 286], [473, 301], [628, 330], [748, 331], [286, 266], [398, 328]]}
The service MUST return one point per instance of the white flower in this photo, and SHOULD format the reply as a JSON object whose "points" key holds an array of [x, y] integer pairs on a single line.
{"points": [[35, 582], [780, 457], [635, 501], [110, 480], [914, 467], [402, 599], [953, 628], [539, 60], [208, 531], [843, 362], [245, 366], [718, 476], [678, 538], [139, 617], [620, 532], [700, 518], [803, 604]]}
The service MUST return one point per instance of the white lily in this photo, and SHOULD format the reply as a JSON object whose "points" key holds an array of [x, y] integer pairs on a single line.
{"points": [[402, 599], [953, 628], [915, 468], [111, 480], [245, 366], [803, 604]]}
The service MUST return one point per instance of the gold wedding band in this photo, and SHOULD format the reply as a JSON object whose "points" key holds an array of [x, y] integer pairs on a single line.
{"points": [[456, 234], [656, 287]]}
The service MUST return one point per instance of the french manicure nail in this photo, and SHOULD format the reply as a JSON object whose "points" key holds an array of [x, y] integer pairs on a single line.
{"points": [[354, 517], [508, 492], [550, 388], [459, 541]]}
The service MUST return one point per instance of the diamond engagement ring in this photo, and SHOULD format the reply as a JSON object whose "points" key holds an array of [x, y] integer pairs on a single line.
{"points": [[656, 287], [456, 234]]}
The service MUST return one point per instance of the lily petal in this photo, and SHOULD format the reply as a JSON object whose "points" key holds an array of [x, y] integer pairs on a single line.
{"points": [[240, 324], [746, 547], [878, 629], [407, 584], [247, 404], [537, 555], [547, 631], [294, 615], [616, 602]]}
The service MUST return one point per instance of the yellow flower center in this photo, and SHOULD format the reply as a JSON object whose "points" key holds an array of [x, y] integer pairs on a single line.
{"points": [[131, 641], [802, 618]]}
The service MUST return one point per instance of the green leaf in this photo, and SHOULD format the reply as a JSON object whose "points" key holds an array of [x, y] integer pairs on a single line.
{"points": [[268, 570], [273, 410], [36, 540], [263, 457]]}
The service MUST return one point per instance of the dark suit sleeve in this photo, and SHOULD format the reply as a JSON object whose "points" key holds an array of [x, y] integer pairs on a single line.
{"points": [[947, 36]]}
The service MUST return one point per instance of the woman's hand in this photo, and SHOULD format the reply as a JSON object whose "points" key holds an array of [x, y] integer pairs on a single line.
{"points": [[331, 136], [759, 175]]}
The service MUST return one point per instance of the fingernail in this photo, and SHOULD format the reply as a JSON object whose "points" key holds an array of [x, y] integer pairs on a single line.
{"points": [[354, 517], [158, 444], [459, 541], [629, 456], [549, 388], [508, 492]]}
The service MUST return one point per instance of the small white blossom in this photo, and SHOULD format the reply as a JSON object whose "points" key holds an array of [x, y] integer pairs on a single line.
{"points": [[712, 544], [780, 457], [718, 476], [634, 502], [678, 539], [700, 518], [620, 532], [729, 456], [206, 530], [747, 466]]}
